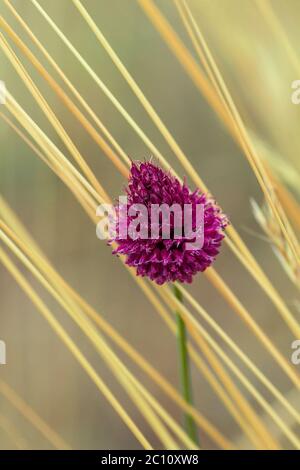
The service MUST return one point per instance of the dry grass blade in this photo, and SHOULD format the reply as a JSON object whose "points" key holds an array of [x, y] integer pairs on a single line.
{"points": [[64, 288], [235, 243], [31, 416], [69, 84], [251, 264], [281, 249], [42, 308], [211, 358], [65, 99], [130, 384], [197, 332], [256, 329]]}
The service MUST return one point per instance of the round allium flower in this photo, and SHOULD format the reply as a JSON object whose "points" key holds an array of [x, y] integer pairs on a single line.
{"points": [[167, 259]]}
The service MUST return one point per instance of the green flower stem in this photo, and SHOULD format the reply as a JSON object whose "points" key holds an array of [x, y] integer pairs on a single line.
{"points": [[185, 376]]}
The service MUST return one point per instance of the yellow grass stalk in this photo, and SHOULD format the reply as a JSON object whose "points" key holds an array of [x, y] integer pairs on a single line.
{"points": [[31, 416], [56, 167], [69, 84], [121, 372], [201, 82], [153, 149], [291, 206], [50, 115], [125, 114], [150, 111], [161, 381], [68, 179], [186, 59], [133, 85], [65, 99], [244, 358], [257, 330], [201, 421], [52, 152], [276, 299], [59, 330], [244, 139], [230, 114], [151, 299], [100, 37], [62, 286], [98, 189], [238, 307], [264, 437], [274, 236], [196, 329], [48, 270], [83, 191], [247, 417], [235, 123]]}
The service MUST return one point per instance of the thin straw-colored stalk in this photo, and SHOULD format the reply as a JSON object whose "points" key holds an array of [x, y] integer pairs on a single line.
{"points": [[195, 329], [248, 420], [272, 293], [65, 99], [153, 149], [132, 83], [62, 286], [251, 265], [51, 117], [260, 335], [151, 300], [97, 190], [59, 330], [279, 304], [245, 141], [73, 184], [237, 127], [73, 50], [201, 82], [274, 237], [261, 433], [121, 372], [69, 84], [238, 307], [158, 378], [203, 422], [254, 369], [51, 151], [47, 269], [31, 416]]}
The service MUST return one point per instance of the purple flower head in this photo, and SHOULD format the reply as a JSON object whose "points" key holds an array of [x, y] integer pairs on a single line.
{"points": [[167, 259]]}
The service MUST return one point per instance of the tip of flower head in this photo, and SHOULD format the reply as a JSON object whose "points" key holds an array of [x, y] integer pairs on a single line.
{"points": [[160, 258]]}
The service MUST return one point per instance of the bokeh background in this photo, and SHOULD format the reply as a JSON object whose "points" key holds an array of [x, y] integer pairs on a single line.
{"points": [[259, 74]]}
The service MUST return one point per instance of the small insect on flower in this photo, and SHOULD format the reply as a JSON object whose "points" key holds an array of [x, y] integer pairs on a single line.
{"points": [[160, 230]]}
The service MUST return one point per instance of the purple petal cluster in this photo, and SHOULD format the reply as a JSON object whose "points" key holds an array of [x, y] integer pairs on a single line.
{"points": [[168, 260]]}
